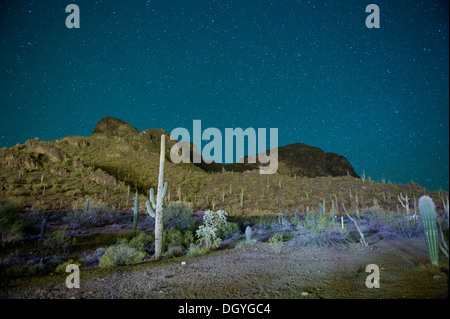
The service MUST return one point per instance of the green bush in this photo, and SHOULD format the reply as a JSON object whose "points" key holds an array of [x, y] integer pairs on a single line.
{"points": [[121, 255], [174, 237], [178, 216], [174, 251], [227, 230], [188, 238], [10, 214], [195, 250], [58, 241], [143, 242]]}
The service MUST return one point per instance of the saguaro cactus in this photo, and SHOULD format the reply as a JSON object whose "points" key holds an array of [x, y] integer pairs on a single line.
{"points": [[86, 208], [43, 224], [248, 234], [135, 214], [155, 209], [428, 216]]}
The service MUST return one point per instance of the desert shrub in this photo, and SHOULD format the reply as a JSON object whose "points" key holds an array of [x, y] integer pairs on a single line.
{"points": [[92, 258], [143, 242], [389, 225], [57, 241], [81, 218], [27, 269], [227, 230], [188, 238], [175, 251], [10, 214], [207, 233], [283, 225], [177, 215], [121, 255], [246, 243], [317, 230], [174, 237], [195, 250], [276, 242]]}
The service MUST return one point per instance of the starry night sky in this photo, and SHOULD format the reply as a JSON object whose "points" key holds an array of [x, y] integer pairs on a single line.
{"points": [[312, 69]]}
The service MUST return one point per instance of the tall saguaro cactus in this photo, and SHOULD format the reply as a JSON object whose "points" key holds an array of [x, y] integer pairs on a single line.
{"points": [[155, 209], [135, 214], [428, 216]]}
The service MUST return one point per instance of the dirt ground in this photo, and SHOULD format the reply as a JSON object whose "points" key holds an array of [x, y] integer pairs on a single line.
{"points": [[256, 272]]}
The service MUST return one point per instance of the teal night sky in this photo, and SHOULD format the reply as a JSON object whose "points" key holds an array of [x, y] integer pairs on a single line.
{"points": [[312, 69]]}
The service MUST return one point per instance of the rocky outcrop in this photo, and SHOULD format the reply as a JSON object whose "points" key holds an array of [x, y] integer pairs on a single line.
{"points": [[111, 126], [41, 147], [297, 159]]}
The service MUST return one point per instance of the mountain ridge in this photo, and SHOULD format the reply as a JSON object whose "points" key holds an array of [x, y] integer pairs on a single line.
{"points": [[118, 160]]}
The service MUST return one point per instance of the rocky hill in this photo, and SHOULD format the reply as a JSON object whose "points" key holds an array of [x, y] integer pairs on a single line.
{"points": [[118, 160]]}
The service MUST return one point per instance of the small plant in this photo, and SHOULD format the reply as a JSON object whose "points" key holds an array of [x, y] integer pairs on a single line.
{"points": [[121, 255], [207, 233], [276, 242]]}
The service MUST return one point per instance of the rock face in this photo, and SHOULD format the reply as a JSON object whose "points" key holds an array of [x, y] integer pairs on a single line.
{"points": [[309, 161], [41, 147], [114, 127], [295, 159]]}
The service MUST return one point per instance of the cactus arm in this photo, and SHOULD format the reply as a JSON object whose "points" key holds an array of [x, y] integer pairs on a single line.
{"points": [[149, 209], [152, 198], [164, 189]]}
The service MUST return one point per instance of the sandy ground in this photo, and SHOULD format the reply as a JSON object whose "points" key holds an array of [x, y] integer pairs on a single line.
{"points": [[257, 272]]}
